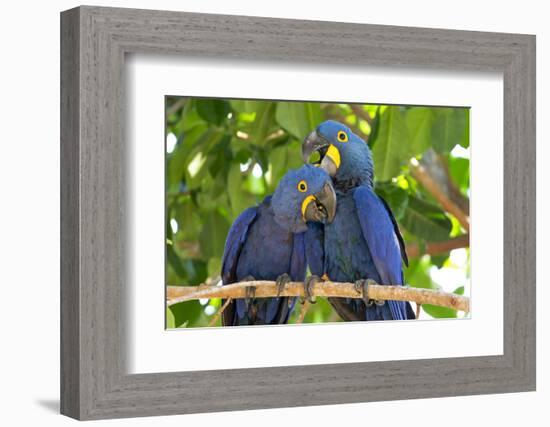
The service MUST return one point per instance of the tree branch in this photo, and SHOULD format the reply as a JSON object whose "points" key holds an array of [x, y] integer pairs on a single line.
{"points": [[439, 189], [359, 112], [219, 312], [303, 312], [264, 288], [436, 248], [175, 106]]}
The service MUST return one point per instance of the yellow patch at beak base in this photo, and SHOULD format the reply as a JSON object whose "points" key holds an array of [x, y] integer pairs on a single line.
{"points": [[334, 155], [306, 202]]}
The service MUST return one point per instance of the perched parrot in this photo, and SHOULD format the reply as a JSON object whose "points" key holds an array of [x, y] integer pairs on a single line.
{"points": [[363, 241], [267, 242]]}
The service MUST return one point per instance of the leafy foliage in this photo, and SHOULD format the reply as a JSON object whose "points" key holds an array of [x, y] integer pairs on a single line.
{"points": [[391, 149], [224, 156]]}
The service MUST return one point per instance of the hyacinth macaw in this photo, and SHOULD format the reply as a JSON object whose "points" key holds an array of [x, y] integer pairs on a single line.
{"points": [[363, 242], [267, 242]]}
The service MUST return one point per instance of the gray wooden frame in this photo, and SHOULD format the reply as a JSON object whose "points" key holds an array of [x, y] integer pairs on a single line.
{"points": [[94, 41]]}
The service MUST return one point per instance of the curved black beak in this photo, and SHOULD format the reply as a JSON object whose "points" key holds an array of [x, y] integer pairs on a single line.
{"points": [[321, 207], [312, 143], [329, 156]]}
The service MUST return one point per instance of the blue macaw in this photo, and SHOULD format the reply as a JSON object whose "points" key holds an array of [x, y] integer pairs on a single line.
{"points": [[267, 242], [363, 242]]}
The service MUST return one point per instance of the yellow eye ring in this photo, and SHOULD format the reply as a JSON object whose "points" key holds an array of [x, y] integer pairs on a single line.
{"points": [[342, 136], [302, 186]]}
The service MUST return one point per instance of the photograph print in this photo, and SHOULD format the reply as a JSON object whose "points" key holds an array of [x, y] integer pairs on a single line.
{"points": [[289, 212]]}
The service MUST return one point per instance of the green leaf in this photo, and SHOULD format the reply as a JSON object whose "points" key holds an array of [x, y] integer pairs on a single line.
{"points": [[185, 213], [222, 156], [449, 128], [175, 262], [199, 160], [391, 149], [299, 118], [238, 197], [212, 236], [177, 160], [170, 319], [426, 221], [417, 274], [212, 195], [255, 185], [439, 312], [294, 154], [459, 170], [244, 106], [282, 159], [375, 125], [419, 124], [193, 272], [196, 271], [241, 150], [186, 313], [262, 123], [439, 260], [214, 267], [190, 121], [214, 111], [277, 165], [465, 141]]}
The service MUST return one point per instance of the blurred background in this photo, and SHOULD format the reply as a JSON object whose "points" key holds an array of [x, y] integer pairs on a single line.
{"points": [[223, 156]]}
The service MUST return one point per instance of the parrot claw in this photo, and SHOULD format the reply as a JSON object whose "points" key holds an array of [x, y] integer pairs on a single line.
{"points": [[250, 294], [308, 286], [250, 291], [362, 287], [281, 282], [379, 302], [249, 299]]}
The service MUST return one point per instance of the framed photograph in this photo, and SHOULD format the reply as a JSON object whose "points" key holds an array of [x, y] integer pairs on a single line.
{"points": [[226, 156], [291, 213]]}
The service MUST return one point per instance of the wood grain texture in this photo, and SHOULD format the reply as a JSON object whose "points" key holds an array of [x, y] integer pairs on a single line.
{"points": [[94, 269], [70, 315]]}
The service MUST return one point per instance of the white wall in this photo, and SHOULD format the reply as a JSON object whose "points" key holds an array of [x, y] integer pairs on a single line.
{"points": [[29, 225]]}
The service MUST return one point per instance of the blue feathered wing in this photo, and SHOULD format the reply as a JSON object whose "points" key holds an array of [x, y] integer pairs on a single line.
{"points": [[385, 243], [236, 238], [269, 310]]}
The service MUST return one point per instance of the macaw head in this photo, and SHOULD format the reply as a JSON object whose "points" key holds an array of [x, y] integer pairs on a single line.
{"points": [[303, 195], [341, 153]]}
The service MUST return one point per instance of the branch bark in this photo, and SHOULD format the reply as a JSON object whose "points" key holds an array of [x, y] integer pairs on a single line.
{"points": [[220, 312], [265, 288], [358, 111], [421, 171], [175, 106], [303, 312], [436, 248]]}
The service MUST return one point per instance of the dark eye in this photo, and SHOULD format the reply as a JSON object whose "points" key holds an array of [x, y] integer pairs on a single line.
{"points": [[302, 186], [342, 136]]}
